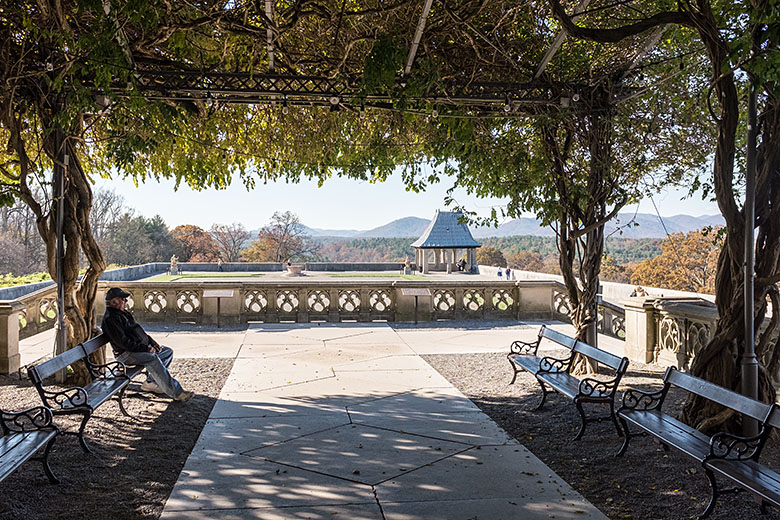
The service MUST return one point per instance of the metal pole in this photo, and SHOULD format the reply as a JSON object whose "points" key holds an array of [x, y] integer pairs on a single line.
{"points": [[60, 164], [749, 360]]}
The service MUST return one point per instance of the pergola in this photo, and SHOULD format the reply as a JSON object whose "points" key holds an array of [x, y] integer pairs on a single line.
{"points": [[462, 59]]}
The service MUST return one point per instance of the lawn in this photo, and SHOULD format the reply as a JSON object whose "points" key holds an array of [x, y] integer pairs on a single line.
{"points": [[379, 275], [173, 278]]}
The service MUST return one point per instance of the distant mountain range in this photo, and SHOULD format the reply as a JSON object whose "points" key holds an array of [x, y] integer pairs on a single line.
{"points": [[626, 225]]}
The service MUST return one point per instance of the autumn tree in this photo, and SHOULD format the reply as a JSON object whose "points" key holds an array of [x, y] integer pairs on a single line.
{"points": [[688, 262], [283, 239], [487, 255], [193, 244], [231, 239], [526, 261]]}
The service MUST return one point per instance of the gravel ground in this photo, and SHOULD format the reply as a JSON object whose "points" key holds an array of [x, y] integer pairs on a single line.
{"points": [[135, 462], [646, 483]]}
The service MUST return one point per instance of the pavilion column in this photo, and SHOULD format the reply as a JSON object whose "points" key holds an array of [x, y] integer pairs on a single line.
{"points": [[424, 261], [447, 260]]}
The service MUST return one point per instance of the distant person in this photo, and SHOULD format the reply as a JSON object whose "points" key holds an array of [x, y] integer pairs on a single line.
{"points": [[639, 291], [500, 272], [133, 346], [461, 265], [219, 264], [508, 273]]}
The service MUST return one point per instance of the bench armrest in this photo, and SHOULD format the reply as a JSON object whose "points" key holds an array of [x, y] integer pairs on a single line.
{"points": [[114, 369], [590, 387], [524, 347], [638, 400], [554, 365], [724, 445], [28, 420], [71, 397]]}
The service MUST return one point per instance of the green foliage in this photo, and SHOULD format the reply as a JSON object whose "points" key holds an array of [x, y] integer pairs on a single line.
{"points": [[382, 65], [9, 280]]}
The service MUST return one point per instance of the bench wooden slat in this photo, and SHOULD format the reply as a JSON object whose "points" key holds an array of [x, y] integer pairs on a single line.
{"points": [[559, 338], [59, 362], [565, 383], [528, 361], [671, 431], [602, 356], [102, 390], [18, 447], [720, 395], [750, 474], [94, 344]]}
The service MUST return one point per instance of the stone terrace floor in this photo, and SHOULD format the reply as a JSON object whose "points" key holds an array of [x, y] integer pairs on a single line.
{"points": [[348, 421]]}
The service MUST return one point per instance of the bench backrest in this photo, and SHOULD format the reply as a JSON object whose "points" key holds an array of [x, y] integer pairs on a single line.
{"points": [[619, 364], [557, 337], [94, 344], [774, 417], [717, 394], [59, 362]]}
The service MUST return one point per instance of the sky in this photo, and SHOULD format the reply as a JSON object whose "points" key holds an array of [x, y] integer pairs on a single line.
{"points": [[338, 204]]}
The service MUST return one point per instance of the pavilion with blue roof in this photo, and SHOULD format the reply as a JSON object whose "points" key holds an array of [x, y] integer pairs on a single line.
{"points": [[444, 242]]}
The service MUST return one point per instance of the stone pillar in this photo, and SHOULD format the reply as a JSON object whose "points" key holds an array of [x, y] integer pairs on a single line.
{"points": [[448, 262], [425, 261], [640, 329], [9, 337]]}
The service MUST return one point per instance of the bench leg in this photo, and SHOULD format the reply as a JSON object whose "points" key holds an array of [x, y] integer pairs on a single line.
{"points": [[584, 420], [83, 425], [514, 377], [614, 418], [544, 395], [708, 510], [626, 438], [45, 461], [121, 403]]}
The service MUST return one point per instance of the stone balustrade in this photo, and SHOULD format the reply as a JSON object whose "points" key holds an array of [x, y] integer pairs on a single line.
{"points": [[667, 331], [295, 300]]}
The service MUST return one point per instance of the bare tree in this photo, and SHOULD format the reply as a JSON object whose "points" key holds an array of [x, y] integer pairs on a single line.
{"points": [[231, 240], [283, 239]]}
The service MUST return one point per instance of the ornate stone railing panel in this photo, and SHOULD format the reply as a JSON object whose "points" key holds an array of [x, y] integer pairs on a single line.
{"points": [[683, 327], [38, 312], [612, 320]]}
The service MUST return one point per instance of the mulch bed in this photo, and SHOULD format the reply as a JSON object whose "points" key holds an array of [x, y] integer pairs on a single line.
{"points": [[135, 462], [646, 483]]}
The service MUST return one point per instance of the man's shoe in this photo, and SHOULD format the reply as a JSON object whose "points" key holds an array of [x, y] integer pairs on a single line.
{"points": [[151, 386], [185, 396]]}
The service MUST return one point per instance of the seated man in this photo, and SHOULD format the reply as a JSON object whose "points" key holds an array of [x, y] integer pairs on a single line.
{"points": [[133, 346]]}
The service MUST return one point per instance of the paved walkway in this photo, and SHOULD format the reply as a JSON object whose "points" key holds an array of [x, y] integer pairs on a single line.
{"points": [[348, 421]]}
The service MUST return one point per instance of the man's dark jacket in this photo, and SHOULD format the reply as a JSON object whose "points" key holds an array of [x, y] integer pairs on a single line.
{"points": [[124, 333]]}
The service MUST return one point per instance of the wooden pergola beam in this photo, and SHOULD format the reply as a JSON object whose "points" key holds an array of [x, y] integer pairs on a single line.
{"points": [[558, 42], [417, 36], [647, 46], [269, 14]]}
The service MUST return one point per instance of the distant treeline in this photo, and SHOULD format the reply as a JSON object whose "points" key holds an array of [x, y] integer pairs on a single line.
{"points": [[623, 250]]}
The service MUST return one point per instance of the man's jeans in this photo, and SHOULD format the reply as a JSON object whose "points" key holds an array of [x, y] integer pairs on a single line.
{"points": [[156, 368]]}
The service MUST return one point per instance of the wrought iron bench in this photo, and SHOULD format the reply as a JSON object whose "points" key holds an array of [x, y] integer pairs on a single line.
{"points": [[731, 456], [108, 380], [24, 434], [556, 373]]}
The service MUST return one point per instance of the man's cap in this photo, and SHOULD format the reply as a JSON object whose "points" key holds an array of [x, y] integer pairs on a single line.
{"points": [[116, 292]]}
